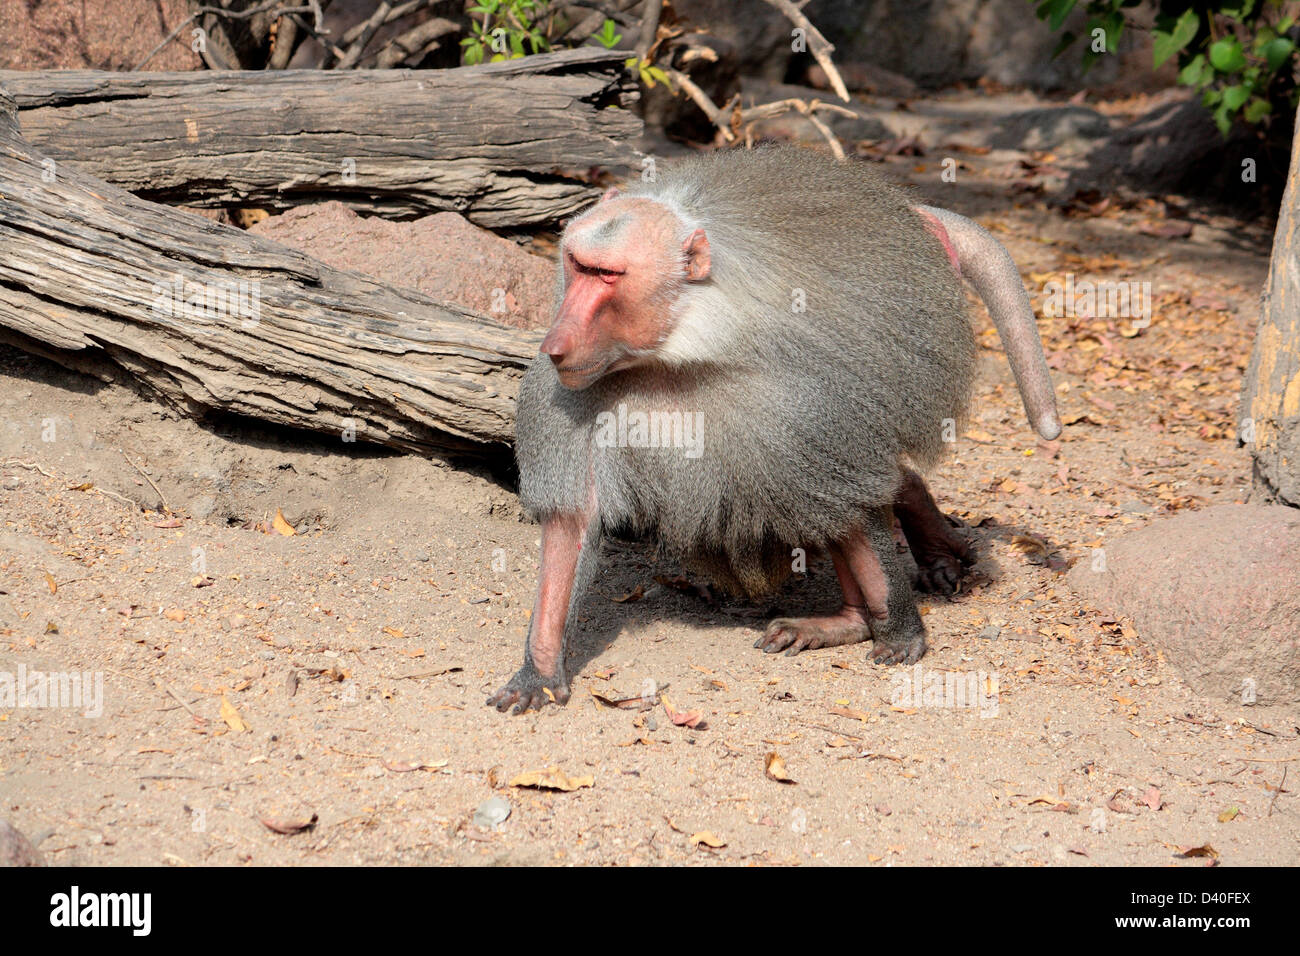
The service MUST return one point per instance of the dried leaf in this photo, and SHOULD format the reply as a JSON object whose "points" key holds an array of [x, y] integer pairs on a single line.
{"points": [[706, 838], [552, 778], [1050, 801], [774, 767], [231, 716], [288, 826], [682, 718], [851, 714], [334, 673], [282, 526], [405, 767], [680, 583], [1029, 544], [623, 703]]}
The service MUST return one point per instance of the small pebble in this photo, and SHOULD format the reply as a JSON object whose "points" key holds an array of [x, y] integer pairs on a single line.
{"points": [[491, 813]]}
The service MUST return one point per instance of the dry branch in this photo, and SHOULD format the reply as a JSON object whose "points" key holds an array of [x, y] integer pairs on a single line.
{"points": [[214, 319], [820, 48], [506, 144]]}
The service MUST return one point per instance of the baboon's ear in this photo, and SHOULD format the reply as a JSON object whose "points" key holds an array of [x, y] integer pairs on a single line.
{"points": [[698, 260], [611, 193]]}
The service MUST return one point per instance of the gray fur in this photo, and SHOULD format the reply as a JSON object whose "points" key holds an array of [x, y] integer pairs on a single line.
{"points": [[807, 417]]}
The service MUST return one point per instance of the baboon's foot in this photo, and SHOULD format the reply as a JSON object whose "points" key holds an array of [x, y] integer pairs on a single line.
{"points": [[941, 553], [795, 634], [902, 650], [530, 689]]}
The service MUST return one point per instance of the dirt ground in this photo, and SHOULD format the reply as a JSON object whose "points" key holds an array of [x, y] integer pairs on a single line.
{"points": [[255, 681]]}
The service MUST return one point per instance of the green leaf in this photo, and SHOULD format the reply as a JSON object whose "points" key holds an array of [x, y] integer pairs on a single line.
{"points": [[1226, 55], [1055, 12], [1196, 73], [517, 44], [1278, 51], [1223, 120], [1066, 41], [608, 36], [661, 76], [1234, 97], [1257, 110], [1167, 44]]}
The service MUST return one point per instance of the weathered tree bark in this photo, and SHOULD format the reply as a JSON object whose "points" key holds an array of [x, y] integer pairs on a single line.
{"points": [[507, 144], [213, 318], [1270, 407]]}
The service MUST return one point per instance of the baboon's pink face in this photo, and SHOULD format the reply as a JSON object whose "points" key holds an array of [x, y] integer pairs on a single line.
{"points": [[624, 266]]}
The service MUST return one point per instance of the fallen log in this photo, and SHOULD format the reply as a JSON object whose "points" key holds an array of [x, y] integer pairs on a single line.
{"points": [[507, 144], [211, 318]]}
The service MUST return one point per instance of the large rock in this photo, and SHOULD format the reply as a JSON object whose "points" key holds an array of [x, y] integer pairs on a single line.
{"points": [[1217, 591], [932, 42], [1071, 128], [938, 42], [443, 256]]}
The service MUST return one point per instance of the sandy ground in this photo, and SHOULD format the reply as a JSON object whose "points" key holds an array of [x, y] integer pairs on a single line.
{"points": [[255, 682]]}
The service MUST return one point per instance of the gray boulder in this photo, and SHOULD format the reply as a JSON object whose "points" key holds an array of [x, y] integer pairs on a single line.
{"points": [[1074, 128], [1217, 591], [444, 256]]}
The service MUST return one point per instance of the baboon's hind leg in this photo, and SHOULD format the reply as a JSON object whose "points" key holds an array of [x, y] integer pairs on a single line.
{"points": [[940, 552]]}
